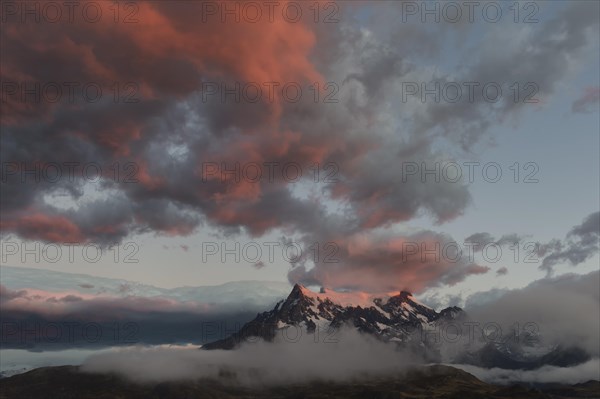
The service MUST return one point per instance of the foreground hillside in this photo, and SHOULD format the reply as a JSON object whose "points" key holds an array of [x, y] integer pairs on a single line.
{"points": [[428, 382]]}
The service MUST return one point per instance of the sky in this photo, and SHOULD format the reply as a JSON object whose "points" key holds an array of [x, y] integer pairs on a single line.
{"points": [[178, 110]]}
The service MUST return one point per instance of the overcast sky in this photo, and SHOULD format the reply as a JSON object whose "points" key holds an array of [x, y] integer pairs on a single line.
{"points": [[358, 118]]}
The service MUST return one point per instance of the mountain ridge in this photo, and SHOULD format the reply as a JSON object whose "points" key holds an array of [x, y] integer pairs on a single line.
{"points": [[389, 317]]}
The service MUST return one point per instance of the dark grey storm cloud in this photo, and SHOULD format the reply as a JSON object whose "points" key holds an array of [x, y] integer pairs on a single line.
{"points": [[480, 240], [581, 243]]}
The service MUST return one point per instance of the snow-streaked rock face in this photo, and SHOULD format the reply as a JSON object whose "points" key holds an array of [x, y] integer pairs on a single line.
{"points": [[390, 317]]}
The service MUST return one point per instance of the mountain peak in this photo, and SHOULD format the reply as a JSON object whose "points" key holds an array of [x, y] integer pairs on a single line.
{"points": [[403, 296], [299, 291]]}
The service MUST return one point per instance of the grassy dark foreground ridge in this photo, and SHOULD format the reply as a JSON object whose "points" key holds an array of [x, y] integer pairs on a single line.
{"points": [[428, 382]]}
